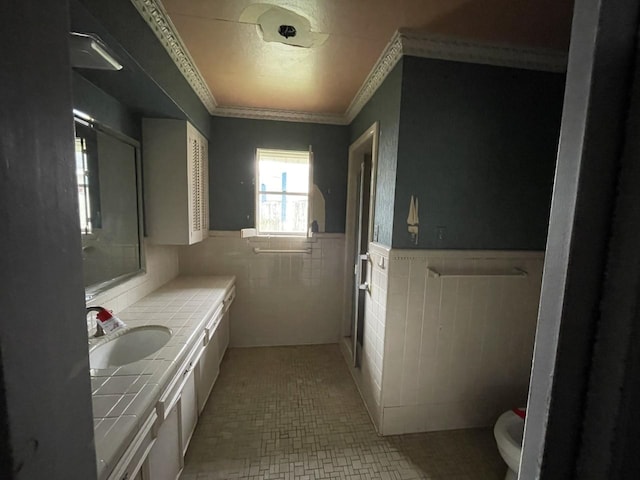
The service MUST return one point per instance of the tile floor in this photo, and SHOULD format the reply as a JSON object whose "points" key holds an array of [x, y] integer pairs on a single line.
{"points": [[294, 413]]}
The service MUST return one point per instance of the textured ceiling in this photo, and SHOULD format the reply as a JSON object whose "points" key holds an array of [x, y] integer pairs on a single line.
{"points": [[243, 70]]}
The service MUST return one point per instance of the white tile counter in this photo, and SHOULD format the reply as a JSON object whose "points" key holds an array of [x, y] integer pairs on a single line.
{"points": [[123, 397]]}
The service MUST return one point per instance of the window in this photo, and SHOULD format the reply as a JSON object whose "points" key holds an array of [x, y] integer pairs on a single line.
{"points": [[87, 177], [282, 192]]}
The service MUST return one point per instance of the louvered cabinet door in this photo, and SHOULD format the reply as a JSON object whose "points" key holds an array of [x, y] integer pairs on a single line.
{"points": [[204, 158], [195, 187]]}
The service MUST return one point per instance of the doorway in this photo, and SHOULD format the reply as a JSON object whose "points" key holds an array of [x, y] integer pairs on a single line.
{"points": [[359, 232]]}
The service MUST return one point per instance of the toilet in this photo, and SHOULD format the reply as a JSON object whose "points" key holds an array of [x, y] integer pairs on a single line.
{"points": [[508, 432]]}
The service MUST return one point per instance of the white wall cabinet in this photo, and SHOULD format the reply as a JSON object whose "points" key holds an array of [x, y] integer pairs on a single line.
{"points": [[176, 180]]}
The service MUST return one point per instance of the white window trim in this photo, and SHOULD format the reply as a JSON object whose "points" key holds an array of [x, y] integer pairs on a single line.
{"points": [[251, 232]]}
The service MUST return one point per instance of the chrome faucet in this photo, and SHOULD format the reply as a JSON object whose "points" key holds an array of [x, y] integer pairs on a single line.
{"points": [[99, 330]]}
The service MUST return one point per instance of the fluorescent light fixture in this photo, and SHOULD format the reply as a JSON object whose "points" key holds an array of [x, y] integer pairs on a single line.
{"points": [[83, 115], [88, 51]]}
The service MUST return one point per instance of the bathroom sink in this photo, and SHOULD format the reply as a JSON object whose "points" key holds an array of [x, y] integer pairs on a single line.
{"points": [[128, 346]]}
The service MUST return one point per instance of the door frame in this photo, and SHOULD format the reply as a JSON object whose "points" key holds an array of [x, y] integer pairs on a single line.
{"points": [[575, 398], [370, 138]]}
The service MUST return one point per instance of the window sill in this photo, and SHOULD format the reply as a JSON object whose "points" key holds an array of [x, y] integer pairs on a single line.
{"points": [[236, 234]]}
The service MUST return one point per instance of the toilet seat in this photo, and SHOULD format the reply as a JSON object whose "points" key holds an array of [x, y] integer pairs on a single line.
{"points": [[508, 432]]}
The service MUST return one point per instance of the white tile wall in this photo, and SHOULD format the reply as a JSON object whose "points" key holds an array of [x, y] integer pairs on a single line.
{"points": [[457, 351], [439, 353], [161, 266], [375, 315], [282, 299], [369, 376]]}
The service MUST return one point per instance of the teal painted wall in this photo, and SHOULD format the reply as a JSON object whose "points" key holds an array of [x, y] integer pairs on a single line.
{"points": [[232, 147], [46, 421], [150, 84], [477, 146], [383, 107], [104, 108]]}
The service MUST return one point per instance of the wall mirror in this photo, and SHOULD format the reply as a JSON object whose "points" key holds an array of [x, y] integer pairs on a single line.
{"points": [[110, 204]]}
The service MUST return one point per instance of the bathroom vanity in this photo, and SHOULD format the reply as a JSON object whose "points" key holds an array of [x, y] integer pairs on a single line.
{"points": [[145, 412]]}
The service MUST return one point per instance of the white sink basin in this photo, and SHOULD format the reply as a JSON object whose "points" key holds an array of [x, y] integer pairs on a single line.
{"points": [[129, 346]]}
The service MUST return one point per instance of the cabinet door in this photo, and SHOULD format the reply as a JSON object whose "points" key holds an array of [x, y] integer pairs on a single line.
{"points": [[131, 465], [188, 410], [223, 340], [196, 199], [208, 372], [165, 458], [204, 162]]}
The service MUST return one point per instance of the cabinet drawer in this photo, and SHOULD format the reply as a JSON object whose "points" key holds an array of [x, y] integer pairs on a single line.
{"points": [[131, 462], [172, 394]]}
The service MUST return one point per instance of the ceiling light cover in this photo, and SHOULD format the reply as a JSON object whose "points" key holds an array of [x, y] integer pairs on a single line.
{"points": [[269, 19]]}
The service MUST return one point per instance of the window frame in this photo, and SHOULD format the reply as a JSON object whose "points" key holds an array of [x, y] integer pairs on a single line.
{"points": [[258, 193], [85, 134]]}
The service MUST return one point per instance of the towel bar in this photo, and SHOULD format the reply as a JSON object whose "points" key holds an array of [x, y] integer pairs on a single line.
{"points": [[267, 250], [516, 272]]}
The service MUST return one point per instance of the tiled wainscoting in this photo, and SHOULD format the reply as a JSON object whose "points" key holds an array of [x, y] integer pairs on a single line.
{"points": [[368, 377], [447, 352], [282, 298], [161, 267], [457, 349]]}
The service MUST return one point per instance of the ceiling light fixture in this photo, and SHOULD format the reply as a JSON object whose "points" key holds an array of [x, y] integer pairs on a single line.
{"points": [[287, 31], [281, 25], [88, 51]]}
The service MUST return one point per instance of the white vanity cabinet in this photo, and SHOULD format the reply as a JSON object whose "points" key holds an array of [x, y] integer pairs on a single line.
{"points": [[216, 343], [224, 323], [165, 460], [132, 465], [188, 410], [171, 398], [176, 181], [178, 415], [209, 366]]}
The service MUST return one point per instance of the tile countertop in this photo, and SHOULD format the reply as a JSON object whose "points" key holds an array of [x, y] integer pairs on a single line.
{"points": [[123, 397]]}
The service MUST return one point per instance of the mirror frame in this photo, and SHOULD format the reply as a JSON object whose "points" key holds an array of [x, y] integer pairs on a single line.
{"points": [[96, 289]]}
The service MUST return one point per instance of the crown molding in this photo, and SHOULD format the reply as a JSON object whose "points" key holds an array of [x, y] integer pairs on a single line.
{"points": [[388, 59], [153, 12], [404, 42], [418, 44], [280, 115]]}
